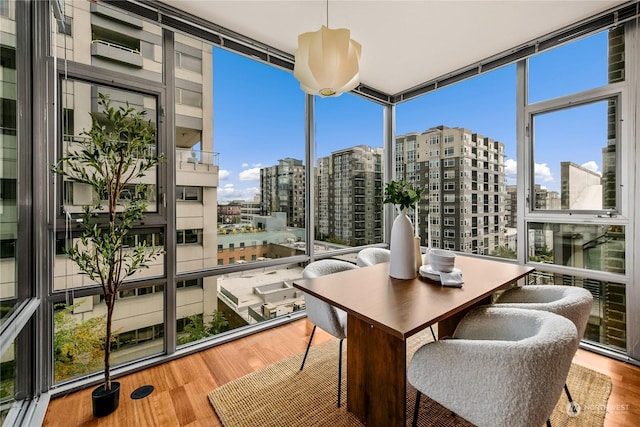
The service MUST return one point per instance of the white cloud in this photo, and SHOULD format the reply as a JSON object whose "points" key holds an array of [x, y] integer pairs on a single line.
{"points": [[244, 165], [223, 174], [250, 192], [511, 168], [226, 192], [229, 192], [257, 165], [543, 172], [252, 174], [592, 166]]}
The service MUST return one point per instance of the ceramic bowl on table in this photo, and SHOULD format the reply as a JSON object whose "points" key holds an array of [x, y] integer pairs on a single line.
{"points": [[442, 260]]}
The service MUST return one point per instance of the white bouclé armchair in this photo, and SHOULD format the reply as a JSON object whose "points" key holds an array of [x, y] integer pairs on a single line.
{"points": [[572, 302], [503, 367], [327, 317], [372, 256]]}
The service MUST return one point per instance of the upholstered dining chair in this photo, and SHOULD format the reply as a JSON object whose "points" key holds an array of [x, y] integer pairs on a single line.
{"points": [[503, 367], [572, 302], [327, 317], [372, 256]]}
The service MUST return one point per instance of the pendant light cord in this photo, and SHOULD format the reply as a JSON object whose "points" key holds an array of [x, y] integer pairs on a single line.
{"points": [[327, 5]]}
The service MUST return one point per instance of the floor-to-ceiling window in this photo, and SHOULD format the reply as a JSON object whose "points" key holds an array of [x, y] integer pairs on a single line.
{"points": [[102, 51], [9, 298], [565, 205], [240, 191], [348, 172], [8, 145], [230, 206], [577, 178], [258, 133], [459, 144]]}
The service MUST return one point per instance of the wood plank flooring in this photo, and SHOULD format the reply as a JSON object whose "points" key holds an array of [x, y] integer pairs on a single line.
{"points": [[623, 407], [181, 386]]}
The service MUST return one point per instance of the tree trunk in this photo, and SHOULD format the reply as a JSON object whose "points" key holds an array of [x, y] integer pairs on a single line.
{"points": [[110, 301]]}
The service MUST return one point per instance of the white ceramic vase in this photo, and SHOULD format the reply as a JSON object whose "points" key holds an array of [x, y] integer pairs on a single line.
{"points": [[402, 264]]}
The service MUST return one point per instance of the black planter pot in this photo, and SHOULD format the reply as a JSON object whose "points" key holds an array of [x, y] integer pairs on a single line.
{"points": [[105, 402]]}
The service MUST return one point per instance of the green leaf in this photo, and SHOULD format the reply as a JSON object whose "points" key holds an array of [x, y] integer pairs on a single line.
{"points": [[402, 193]]}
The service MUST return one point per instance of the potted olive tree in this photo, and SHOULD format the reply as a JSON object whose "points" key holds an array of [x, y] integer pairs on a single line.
{"points": [[112, 158]]}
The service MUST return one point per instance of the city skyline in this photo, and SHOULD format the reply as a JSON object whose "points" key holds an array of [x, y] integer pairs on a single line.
{"points": [[256, 104]]}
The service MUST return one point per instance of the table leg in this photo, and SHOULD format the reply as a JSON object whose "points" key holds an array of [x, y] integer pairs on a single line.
{"points": [[376, 375]]}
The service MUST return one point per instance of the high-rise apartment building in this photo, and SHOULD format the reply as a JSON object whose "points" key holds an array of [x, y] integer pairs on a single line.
{"points": [[349, 196], [282, 190], [511, 206], [463, 175], [545, 199]]}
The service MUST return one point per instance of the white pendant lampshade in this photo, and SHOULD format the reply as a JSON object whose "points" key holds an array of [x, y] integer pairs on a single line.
{"points": [[327, 62]]}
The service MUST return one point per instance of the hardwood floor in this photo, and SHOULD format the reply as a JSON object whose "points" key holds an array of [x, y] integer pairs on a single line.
{"points": [[623, 407], [181, 386]]}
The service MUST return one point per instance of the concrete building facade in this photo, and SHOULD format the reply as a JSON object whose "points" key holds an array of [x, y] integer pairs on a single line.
{"points": [[349, 196], [282, 190], [463, 175]]}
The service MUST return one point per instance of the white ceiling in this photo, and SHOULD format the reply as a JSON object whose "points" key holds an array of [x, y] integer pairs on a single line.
{"points": [[404, 43]]}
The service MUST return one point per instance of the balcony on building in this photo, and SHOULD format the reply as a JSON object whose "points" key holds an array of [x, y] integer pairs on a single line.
{"points": [[114, 52]]}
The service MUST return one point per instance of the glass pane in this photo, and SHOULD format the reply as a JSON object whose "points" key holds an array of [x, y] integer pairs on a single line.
{"points": [[580, 65], [217, 304], [106, 37], [68, 276], [607, 323], [196, 163], [588, 246], [79, 100], [465, 161], [349, 172], [575, 155], [248, 163], [8, 166], [138, 331], [7, 381]]}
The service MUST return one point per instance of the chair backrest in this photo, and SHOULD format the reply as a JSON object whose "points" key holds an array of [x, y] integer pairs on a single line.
{"points": [[325, 316], [572, 302], [504, 366], [371, 256]]}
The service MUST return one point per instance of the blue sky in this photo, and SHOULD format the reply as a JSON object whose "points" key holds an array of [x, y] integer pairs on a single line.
{"points": [[259, 115]]}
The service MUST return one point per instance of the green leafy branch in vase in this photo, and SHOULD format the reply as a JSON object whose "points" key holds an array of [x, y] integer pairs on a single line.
{"points": [[401, 193]]}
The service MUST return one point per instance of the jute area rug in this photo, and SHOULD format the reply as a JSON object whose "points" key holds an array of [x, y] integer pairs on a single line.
{"points": [[282, 396]]}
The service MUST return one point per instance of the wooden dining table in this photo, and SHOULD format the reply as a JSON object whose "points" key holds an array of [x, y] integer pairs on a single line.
{"points": [[382, 312]]}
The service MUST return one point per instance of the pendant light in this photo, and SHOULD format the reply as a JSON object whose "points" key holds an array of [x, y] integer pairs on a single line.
{"points": [[326, 62]]}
